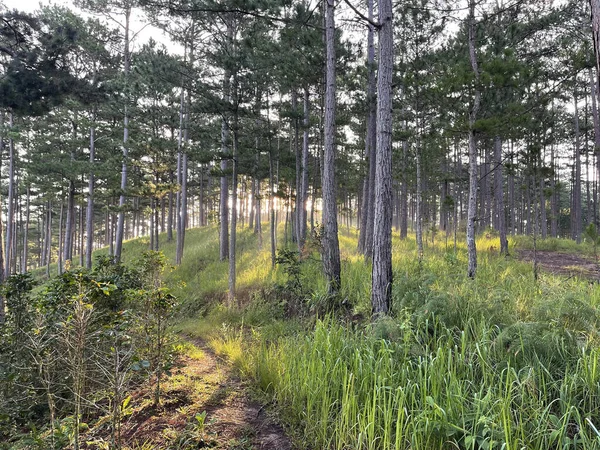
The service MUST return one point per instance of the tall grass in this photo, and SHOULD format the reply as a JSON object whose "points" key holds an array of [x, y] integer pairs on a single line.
{"points": [[427, 390], [500, 362]]}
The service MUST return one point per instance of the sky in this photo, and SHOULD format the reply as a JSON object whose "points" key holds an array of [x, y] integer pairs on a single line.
{"points": [[138, 23]]}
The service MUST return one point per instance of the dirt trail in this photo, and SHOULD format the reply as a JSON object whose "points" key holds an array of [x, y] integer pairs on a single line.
{"points": [[568, 264], [201, 383], [236, 421]]}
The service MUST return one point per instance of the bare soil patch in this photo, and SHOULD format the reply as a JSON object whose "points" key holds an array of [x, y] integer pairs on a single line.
{"points": [[568, 264]]}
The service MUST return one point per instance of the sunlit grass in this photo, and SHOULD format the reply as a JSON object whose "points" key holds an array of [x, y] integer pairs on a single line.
{"points": [[499, 362]]}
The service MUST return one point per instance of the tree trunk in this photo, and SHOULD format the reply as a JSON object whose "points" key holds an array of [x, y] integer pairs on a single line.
{"points": [[202, 219], [302, 211], [576, 213], [60, 237], [331, 247], [365, 242], [49, 239], [419, 199], [223, 205], [234, 186], [89, 226], [404, 191], [554, 200], [122, 198], [10, 215], [2, 269], [171, 207], [272, 207], [381, 295], [182, 176], [69, 224], [183, 217], [24, 265], [499, 193], [472, 207]]}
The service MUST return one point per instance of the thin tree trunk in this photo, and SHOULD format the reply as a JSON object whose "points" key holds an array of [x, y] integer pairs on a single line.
{"points": [[60, 237], [122, 198], [511, 194], [234, 186], [183, 218], [24, 265], [419, 199], [404, 191], [331, 248], [10, 215], [49, 239], [302, 212], [89, 226], [596, 120], [472, 208], [382, 232], [272, 210], [554, 201], [365, 243], [69, 224], [2, 262], [499, 193], [170, 212], [202, 218], [576, 214], [223, 209]]}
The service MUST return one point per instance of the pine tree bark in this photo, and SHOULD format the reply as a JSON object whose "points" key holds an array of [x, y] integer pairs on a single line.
{"points": [[2, 303], [223, 205], [60, 237], [419, 200], [69, 224], [472, 206], [24, 265], [576, 204], [554, 199], [330, 242], [365, 238], [89, 225], [49, 239], [302, 211], [231, 293], [122, 197], [10, 214], [499, 193], [273, 233], [170, 211], [381, 294], [404, 191]]}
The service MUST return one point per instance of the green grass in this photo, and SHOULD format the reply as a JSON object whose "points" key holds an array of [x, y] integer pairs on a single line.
{"points": [[500, 362]]}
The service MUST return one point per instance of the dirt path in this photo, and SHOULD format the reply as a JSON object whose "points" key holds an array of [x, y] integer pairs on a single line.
{"points": [[568, 264], [203, 405]]}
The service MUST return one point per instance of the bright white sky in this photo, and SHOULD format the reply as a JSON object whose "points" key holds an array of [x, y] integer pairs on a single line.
{"points": [[138, 23]]}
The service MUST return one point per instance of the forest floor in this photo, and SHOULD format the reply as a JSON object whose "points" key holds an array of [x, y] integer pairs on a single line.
{"points": [[561, 263], [203, 405]]}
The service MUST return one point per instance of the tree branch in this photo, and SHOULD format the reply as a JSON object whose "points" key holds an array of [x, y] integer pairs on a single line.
{"points": [[361, 15]]}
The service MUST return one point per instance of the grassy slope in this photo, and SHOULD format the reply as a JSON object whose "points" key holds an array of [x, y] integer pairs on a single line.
{"points": [[499, 362]]}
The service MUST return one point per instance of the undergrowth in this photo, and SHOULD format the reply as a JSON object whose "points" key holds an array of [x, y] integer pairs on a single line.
{"points": [[502, 362]]}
